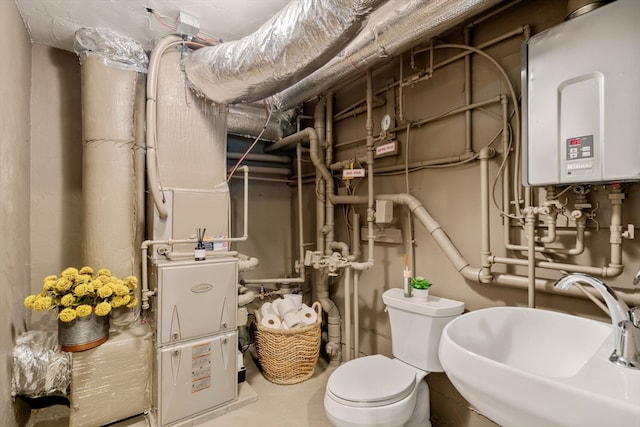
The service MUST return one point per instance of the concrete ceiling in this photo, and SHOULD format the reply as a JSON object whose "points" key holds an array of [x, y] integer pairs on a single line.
{"points": [[54, 22]]}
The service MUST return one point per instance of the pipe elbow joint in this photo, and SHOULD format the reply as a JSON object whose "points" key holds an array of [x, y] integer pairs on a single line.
{"points": [[333, 350]]}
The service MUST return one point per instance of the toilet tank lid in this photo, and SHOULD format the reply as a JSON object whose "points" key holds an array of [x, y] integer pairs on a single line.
{"points": [[433, 306]]}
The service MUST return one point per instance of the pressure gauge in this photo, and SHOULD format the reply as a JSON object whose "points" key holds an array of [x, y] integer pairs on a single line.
{"points": [[386, 122]]}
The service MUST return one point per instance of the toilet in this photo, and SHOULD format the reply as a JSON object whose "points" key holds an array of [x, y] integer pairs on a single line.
{"points": [[380, 391]]}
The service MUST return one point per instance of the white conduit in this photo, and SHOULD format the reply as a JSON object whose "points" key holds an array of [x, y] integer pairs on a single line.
{"points": [[355, 242], [247, 263], [152, 93], [267, 158], [295, 42], [347, 314], [300, 211], [370, 193], [356, 315]]}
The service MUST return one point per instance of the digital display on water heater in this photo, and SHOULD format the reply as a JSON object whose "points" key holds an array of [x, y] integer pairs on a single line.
{"points": [[580, 147]]}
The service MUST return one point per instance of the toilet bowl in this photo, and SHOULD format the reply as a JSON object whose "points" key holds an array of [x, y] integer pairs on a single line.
{"points": [[377, 391]]}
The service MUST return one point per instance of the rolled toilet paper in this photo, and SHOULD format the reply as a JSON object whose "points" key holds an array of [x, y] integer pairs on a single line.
{"points": [[307, 315], [296, 298], [291, 319], [274, 306], [271, 321], [286, 306], [266, 309]]}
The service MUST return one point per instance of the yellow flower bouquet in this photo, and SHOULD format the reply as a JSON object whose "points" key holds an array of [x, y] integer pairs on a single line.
{"points": [[78, 293]]}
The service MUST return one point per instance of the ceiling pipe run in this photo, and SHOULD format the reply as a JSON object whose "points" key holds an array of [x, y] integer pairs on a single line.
{"points": [[299, 39], [396, 27]]}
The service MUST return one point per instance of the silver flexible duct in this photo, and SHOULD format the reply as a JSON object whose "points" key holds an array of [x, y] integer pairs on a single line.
{"points": [[396, 27], [247, 120], [304, 35]]}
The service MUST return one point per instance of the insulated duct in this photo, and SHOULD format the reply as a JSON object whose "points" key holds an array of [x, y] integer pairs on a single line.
{"points": [[300, 38], [248, 120], [396, 27], [111, 77]]}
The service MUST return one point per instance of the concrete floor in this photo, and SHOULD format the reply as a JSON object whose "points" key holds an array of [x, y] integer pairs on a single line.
{"points": [[260, 402]]}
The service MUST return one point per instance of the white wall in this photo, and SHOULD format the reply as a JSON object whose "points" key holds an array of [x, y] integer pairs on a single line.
{"points": [[15, 86]]}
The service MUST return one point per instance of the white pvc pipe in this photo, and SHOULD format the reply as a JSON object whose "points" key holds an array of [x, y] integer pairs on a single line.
{"points": [[530, 222], [245, 234], [248, 264], [173, 255], [370, 193], [356, 314], [300, 212], [485, 223], [146, 293], [472, 273], [333, 347], [152, 93], [268, 158], [347, 314], [284, 280], [355, 243]]}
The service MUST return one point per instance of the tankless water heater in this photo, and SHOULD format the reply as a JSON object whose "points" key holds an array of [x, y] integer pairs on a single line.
{"points": [[581, 99]]}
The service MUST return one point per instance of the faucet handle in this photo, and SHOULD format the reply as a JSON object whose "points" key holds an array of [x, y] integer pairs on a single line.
{"points": [[627, 352]]}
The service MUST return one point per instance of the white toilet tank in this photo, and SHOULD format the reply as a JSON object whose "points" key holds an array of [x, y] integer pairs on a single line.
{"points": [[416, 327]]}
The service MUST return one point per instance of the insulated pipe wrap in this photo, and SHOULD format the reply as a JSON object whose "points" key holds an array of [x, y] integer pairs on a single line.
{"points": [[113, 49], [304, 35], [108, 173], [396, 27]]}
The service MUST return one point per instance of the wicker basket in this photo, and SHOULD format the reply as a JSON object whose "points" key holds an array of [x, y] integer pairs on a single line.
{"points": [[288, 356]]}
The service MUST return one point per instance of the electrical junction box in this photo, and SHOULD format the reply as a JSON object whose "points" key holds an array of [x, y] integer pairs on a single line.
{"points": [[581, 99], [384, 211], [187, 25]]}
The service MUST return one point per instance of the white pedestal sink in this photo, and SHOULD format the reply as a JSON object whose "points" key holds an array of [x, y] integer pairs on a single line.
{"points": [[528, 367]]}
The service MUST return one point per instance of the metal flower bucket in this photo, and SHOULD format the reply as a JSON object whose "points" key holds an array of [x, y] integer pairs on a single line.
{"points": [[83, 333]]}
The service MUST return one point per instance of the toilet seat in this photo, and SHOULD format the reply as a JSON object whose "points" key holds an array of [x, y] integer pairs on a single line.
{"points": [[371, 381]]}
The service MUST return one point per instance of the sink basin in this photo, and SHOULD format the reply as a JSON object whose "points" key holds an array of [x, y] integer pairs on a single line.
{"points": [[528, 367]]}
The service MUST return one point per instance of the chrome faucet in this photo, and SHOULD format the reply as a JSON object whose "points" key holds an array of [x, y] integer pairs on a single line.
{"points": [[625, 321]]}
